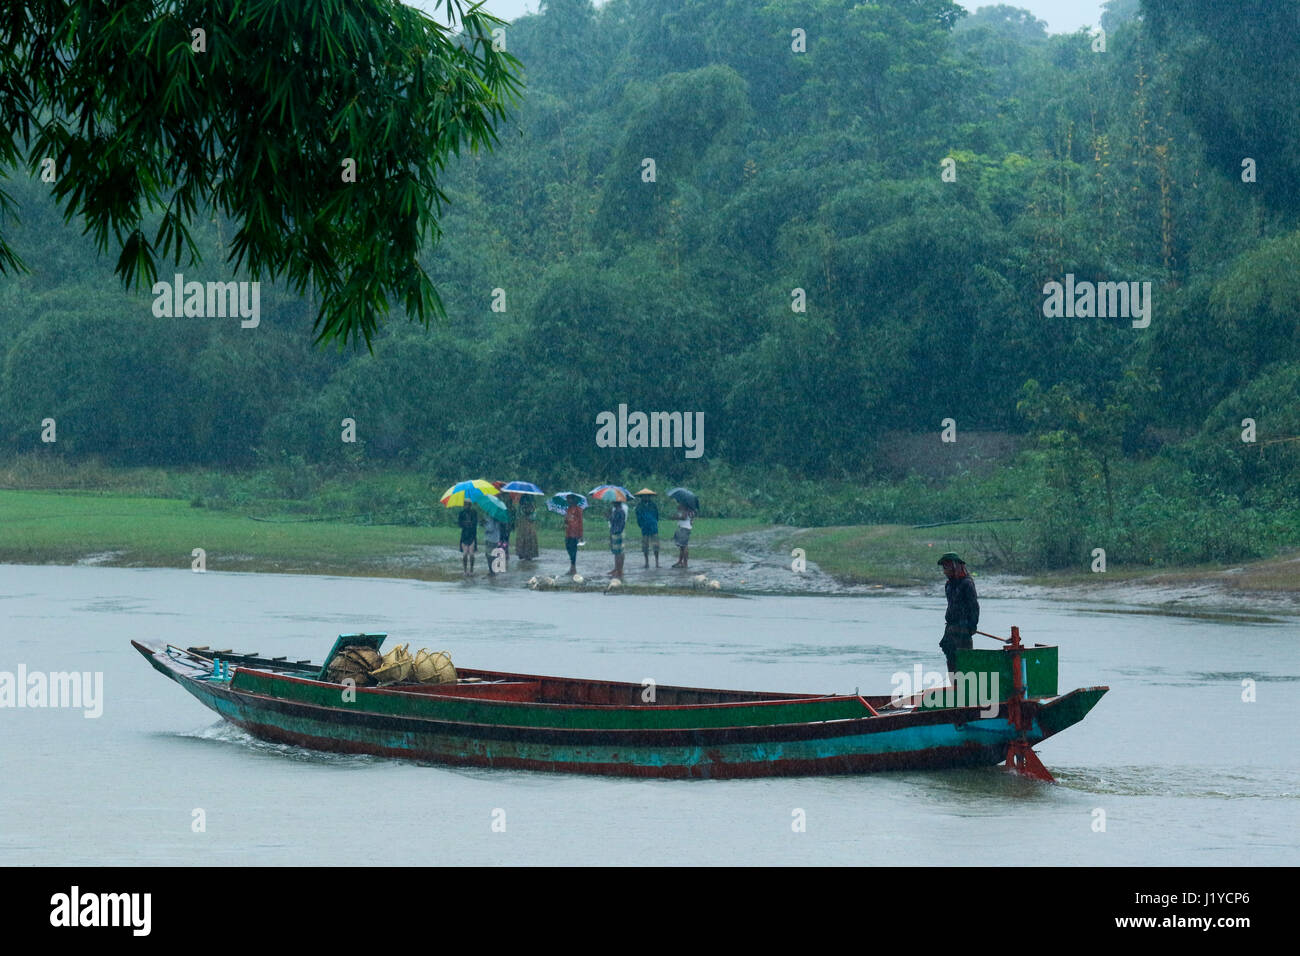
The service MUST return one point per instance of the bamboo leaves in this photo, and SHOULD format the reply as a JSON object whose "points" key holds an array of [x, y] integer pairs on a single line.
{"points": [[252, 123]]}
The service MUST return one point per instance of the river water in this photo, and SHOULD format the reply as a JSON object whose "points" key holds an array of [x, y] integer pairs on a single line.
{"points": [[1175, 764]]}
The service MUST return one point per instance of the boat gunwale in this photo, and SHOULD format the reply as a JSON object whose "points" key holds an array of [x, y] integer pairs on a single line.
{"points": [[639, 708], [1042, 702], [426, 691]]}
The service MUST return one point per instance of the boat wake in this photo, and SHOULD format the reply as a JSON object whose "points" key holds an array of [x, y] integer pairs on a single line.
{"points": [[1189, 782], [226, 733]]}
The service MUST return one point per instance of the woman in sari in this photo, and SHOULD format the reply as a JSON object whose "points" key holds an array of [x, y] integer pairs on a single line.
{"points": [[526, 531]]}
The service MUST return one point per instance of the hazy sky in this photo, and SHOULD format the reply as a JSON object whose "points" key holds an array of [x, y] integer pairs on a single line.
{"points": [[1062, 16]]}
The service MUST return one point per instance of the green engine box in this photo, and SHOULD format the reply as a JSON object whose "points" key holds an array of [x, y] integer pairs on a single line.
{"points": [[1037, 668], [1038, 672]]}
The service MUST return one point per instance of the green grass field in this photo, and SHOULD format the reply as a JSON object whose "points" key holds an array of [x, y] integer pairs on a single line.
{"points": [[53, 527], [45, 527], [899, 555]]}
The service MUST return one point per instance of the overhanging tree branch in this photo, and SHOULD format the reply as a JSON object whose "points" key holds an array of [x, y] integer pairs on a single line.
{"points": [[145, 121]]}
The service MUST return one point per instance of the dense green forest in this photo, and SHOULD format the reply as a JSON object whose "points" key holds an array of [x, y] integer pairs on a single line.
{"points": [[854, 212]]}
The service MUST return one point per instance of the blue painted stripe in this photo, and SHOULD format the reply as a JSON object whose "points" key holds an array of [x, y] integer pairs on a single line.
{"points": [[984, 741]]}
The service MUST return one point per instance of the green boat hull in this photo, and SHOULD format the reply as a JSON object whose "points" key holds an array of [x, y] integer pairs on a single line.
{"points": [[599, 727]]}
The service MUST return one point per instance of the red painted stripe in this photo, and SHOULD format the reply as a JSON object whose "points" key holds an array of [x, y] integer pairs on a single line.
{"points": [[868, 706]]}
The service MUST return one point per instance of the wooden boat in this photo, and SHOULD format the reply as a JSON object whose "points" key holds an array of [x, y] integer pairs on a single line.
{"points": [[530, 722]]}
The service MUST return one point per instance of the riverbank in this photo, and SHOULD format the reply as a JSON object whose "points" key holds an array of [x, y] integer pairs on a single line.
{"points": [[899, 557], [742, 555], [84, 528]]}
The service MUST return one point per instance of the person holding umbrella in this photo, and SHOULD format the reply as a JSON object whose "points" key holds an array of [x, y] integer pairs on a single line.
{"points": [[505, 526], [468, 521], [647, 519], [460, 495], [682, 536], [687, 506], [521, 495], [617, 522], [526, 543], [572, 531], [492, 535]]}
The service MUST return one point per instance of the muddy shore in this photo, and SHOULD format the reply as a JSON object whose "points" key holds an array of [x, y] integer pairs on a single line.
{"points": [[759, 565]]}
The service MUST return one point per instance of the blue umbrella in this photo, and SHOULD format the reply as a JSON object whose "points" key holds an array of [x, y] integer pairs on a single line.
{"points": [[559, 503], [523, 488]]}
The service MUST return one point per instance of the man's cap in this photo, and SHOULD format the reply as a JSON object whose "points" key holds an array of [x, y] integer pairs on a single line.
{"points": [[951, 556]]}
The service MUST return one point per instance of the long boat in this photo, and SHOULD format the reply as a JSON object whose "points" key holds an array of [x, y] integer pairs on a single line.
{"points": [[532, 722]]}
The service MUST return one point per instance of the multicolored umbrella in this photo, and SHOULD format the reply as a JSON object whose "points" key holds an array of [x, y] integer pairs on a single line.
{"points": [[684, 497], [610, 493], [479, 492], [560, 503]]}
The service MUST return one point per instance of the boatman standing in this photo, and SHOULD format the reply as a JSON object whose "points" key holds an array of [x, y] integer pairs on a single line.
{"points": [[963, 615]]}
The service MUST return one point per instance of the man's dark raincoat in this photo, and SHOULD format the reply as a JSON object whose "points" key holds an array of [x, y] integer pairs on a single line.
{"points": [[963, 617]]}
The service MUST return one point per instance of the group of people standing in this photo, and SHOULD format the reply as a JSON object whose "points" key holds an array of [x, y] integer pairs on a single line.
{"points": [[522, 522], [647, 519]]}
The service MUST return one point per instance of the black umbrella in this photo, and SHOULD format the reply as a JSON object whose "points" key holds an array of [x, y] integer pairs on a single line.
{"points": [[684, 497]]}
